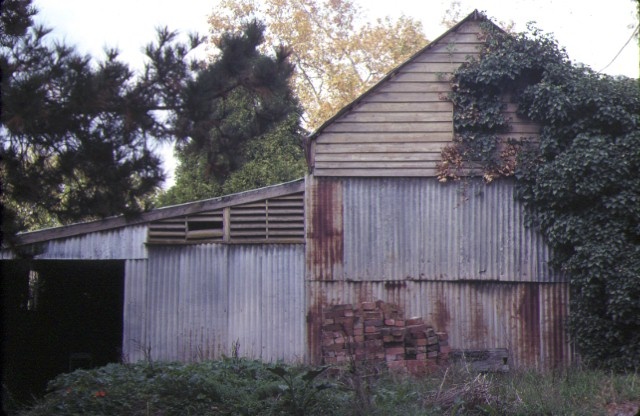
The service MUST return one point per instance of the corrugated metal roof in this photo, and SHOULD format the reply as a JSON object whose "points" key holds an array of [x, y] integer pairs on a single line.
{"points": [[159, 213]]}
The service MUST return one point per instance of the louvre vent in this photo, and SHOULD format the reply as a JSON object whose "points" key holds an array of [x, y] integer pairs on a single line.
{"points": [[279, 219]]}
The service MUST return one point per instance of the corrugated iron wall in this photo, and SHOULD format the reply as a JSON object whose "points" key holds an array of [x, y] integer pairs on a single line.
{"points": [[456, 254], [412, 229], [117, 244], [194, 302]]}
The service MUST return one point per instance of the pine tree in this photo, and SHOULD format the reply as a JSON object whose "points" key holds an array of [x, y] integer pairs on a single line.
{"points": [[248, 133], [78, 135]]}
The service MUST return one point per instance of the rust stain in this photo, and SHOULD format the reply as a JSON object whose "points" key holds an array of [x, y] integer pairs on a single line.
{"points": [[529, 313], [314, 327], [325, 240], [556, 337], [478, 330], [441, 317]]}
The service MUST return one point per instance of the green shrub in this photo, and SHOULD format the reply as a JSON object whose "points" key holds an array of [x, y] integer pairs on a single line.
{"points": [[246, 387]]}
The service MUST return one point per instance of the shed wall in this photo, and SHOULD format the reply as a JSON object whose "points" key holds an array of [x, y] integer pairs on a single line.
{"points": [[456, 254], [116, 244], [526, 318], [195, 302]]}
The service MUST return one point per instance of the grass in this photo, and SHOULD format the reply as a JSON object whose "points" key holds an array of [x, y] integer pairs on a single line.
{"points": [[247, 387]]}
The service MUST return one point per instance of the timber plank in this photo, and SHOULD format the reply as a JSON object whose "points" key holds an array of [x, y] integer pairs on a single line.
{"points": [[377, 157], [396, 117], [391, 107], [443, 138], [405, 97], [430, 164], [409, 86], [382, 148], [398, 127], [364, 172]]}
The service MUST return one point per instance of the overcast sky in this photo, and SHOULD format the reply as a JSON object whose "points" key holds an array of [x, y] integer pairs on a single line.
{"points": [[593, 32]]}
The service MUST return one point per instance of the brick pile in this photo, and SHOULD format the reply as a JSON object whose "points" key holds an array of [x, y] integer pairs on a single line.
{"points": [[377, 332]]}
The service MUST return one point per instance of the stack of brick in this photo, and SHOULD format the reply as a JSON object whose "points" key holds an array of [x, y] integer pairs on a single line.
{"points": [[377, 332]]}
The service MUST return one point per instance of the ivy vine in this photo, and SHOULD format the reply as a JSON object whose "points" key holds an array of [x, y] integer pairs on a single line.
{"points": [[579, 178]]}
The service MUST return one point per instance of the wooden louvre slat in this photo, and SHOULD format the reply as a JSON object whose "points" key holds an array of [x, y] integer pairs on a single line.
{"points": [[279, 219]]}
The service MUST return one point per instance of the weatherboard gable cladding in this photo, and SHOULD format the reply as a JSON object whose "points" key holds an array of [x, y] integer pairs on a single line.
{"points": [[401, 125]]}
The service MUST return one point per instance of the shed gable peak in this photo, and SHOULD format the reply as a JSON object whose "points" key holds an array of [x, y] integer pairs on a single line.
{"points": [[400, 125]]}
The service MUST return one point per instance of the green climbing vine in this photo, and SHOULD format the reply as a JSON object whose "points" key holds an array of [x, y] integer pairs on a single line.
{"points": [[579, 178]]}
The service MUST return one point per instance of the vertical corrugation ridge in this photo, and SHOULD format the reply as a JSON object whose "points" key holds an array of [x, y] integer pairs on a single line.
{"points": [[122, 243], [199, 300], [134, 313], [413, 229], [527, 318]]}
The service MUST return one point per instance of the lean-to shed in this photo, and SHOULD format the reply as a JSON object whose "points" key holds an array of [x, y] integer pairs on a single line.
{"points": [[254, 271]]}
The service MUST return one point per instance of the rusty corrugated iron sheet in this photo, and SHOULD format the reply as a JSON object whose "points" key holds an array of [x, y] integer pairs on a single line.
{"points": [[527, 318], [415, 229], [195, 302], [324, 228], [457, 254], [120, 243]]}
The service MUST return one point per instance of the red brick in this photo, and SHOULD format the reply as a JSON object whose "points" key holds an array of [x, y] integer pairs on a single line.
{"points": [[390, 322], [400, 322], [344, 321], [445, 349], [397, 332], [394, 350], [368, 306], [370, 329], [442, 336], [416, 320], [374, 343]]}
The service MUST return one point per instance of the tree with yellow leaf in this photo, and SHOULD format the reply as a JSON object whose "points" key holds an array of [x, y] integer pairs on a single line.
{"points": [[337, 53]]}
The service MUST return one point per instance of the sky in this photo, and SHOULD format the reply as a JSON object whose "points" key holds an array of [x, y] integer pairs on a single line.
{"points": [[593, 32]]}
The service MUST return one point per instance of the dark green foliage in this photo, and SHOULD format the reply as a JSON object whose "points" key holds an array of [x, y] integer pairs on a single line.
{"points": [[242, 123], [274, 157], [580, 185], [300, 391], [245, 387], [77, 135], [229, 386]]}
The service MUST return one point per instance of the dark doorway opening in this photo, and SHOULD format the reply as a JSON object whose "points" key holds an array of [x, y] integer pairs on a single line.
{"points": [[58, 316]]}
